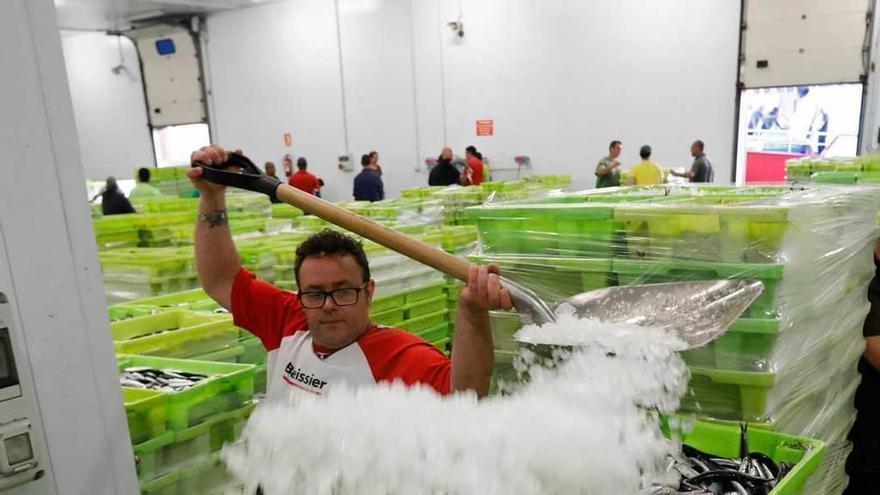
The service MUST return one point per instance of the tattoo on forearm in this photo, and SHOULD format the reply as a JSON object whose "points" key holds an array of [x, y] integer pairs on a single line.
{"points": [[214, 218]]}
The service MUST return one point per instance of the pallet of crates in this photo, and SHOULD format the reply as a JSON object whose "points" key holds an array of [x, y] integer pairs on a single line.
{"points": [[811, 247], [176, 434], [115, 231], [144, 272]]}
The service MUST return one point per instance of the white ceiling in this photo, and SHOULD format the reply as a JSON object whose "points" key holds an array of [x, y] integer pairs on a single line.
{"points": [[119, 14]]}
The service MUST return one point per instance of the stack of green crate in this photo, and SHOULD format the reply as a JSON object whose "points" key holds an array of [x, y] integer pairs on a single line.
{"points": [[177, 435], [171, 181], [143, 272], [195, 299], [115, 231], [787, 363]]}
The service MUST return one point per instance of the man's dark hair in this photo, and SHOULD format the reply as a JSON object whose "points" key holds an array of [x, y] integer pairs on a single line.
{"points": [[700, 144], [645, 152], [365, 160], [301, 163], [330, 242], [471, 149], [144, 174], [613, 144]]}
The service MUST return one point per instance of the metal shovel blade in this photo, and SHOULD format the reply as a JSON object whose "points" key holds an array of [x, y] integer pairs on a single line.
{"points": [[694, 312]]}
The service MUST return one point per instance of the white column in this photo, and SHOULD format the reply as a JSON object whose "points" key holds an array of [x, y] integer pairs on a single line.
{"points": [[53, 272]]}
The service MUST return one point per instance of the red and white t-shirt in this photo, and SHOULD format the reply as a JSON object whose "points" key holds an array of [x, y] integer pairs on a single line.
{"points": [[296, 363]]}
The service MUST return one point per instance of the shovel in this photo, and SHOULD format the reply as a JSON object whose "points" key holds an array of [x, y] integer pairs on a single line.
{"points": [[694, 312]]}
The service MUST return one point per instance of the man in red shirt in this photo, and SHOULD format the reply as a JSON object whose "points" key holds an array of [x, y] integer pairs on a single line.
{"points": [[473, 173], [321, 336], [302, 180]]}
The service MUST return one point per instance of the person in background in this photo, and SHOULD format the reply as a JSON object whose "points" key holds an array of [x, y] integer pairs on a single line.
{"points": [[113, 201], [701, 169], [444, 172], [645, 172], [374, 162], [472, 175], [303, 180], [320, 185], [863, 463], [270, 170], [368, 184], [287, 164], [607, 173], [143, 189]]}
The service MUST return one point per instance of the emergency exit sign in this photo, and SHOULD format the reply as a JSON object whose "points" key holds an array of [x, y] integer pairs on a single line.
{"points": [[486, 127]]}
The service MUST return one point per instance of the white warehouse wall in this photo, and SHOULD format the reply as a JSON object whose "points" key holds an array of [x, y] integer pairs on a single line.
{"points": [[109, 109], [560, 79]]}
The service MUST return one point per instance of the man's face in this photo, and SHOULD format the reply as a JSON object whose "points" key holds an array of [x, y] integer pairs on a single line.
{"points": [[695, 150], [374, 159], [334, 326], [615, 150], [446, 153]]}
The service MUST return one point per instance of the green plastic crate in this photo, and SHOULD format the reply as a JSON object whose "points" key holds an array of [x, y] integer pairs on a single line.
{"points": [[231, 354], [388, 302], [671, 230], [229, 426], [208, 477], [444, 345], [387, 317], [425, 322], [254, 352], [426, 292], [425, 306], [435, 333], [569, 229], [747, 345], [198, 442], [556, 275], [163, 485], [148, 459], [145, 411], [632, 272], [175, 333], [724, 441], [728, 394], [228, 386]]}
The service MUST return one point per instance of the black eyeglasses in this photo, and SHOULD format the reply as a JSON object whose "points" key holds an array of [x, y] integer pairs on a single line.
{"points": [[346, 296]]}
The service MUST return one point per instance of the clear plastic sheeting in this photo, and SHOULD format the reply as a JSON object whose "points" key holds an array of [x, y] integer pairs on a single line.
{"points": [[789, 362]]}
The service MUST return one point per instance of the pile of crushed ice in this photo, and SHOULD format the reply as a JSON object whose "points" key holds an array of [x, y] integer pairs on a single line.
{"points": [[585, 424]]}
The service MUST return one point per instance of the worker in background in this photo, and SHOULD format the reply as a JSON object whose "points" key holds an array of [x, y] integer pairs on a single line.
{"points": [[143, 189], [113, 201], [646, 172], [269, 167], [270, 172], [287, 164], [444, 172], [321, 336], [368, 184], [472, 175], [303, 180], [701, 169], [374, 162], [607, 173], [320, 185], [863, 463]]}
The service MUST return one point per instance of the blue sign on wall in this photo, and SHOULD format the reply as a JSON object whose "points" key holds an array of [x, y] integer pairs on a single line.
{"points": [[165, 46]]}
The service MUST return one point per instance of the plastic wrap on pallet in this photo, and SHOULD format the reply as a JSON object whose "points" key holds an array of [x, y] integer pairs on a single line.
{"points": [[794, 347], [830, 477]]}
